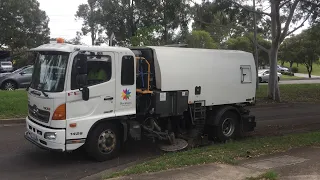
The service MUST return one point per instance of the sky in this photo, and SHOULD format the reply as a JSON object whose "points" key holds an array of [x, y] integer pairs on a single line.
{"points": [[63, 22], [62, 18]]}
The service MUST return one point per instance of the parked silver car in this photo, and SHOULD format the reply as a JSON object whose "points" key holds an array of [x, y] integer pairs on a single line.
{"points": [[263, 75], [20, 78], [282, 69], [6, 66]]}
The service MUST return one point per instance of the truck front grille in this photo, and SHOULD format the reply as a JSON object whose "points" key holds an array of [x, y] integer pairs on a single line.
{"points": [[39, 114]]}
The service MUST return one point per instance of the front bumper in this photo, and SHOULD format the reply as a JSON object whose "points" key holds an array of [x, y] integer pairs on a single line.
{"points": [[35, 134]]}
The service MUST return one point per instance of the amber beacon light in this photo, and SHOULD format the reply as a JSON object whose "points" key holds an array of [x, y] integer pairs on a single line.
{"points": [[60, 40]]}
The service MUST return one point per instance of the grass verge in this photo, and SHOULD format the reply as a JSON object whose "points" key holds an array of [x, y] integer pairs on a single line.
{"points": [[13, 104], [270, 175], [223, 153], [292, 93]]}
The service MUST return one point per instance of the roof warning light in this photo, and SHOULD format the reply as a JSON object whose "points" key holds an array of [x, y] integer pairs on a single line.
{"points": [[60, 40]]}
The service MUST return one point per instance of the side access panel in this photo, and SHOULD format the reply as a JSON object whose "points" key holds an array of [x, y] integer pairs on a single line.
{"points": [[170, 103]]}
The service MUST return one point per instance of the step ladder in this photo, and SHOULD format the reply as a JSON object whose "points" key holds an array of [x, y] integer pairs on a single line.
{"points": [[198, 111]]}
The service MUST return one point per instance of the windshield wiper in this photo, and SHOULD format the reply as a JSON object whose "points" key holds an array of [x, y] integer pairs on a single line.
{"points": [[42, 90]]}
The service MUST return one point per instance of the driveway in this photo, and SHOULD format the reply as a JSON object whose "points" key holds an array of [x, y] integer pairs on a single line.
{"points": [[301, 81], [305, 75]]}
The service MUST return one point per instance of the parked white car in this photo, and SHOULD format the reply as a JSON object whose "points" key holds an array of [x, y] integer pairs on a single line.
{"points": [[263, 75], [6, 66]]}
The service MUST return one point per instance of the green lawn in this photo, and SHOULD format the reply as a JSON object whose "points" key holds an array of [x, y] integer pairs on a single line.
{"points": [[302, 68], [292, 93], [13, 104], [224, 153]]}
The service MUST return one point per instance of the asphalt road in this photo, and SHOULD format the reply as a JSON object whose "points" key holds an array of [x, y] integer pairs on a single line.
{"points": [[21, 160], [284, 119]]}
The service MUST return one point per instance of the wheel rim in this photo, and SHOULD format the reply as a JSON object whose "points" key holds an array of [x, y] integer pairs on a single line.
{"points": [[228, 127], [107, 142], [9, 86]]}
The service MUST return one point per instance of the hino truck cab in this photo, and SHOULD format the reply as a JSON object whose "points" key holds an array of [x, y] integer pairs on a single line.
{"points": [[61, 114], [100, 97]]}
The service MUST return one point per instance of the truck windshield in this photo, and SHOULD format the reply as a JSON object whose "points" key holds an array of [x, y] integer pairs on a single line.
{"points": [[50, 71]]}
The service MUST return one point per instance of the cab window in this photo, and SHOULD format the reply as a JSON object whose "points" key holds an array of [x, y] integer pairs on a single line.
{"points": [[99, 69], [127, 71]]}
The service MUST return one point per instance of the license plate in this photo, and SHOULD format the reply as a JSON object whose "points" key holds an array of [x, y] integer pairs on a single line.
{"points": [[34, 136]]}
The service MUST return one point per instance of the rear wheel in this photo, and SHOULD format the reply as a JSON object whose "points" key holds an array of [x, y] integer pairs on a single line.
{"points": [[9, 86], [228, 126], [278, 79], [260, 80], [103, 142]]}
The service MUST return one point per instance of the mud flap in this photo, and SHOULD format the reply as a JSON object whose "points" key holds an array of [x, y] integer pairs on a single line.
{"points": [[248, 123]]}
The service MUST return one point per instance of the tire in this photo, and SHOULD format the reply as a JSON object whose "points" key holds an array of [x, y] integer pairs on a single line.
{"points": [[260, 80], [9, 86], [103, 149], [222, 132], [278, 79]]}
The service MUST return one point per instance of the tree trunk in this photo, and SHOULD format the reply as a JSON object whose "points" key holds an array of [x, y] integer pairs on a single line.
{"points": [[309, 69], [92, 36], [291, 63], [92, 25], [273, 88], [282, 63]]}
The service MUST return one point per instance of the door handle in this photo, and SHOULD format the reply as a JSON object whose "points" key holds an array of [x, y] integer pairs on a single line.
{"points": [[108, 98]]}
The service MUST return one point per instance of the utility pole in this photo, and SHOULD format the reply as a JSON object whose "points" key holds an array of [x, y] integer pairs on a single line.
{"points": [[255, 42]]}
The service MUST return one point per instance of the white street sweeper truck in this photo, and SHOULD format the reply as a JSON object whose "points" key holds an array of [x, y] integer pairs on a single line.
{"points": [[102, 97]]}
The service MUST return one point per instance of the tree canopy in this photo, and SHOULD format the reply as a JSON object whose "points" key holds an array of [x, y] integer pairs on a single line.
{"points": [[303, 48], [23, 24]]}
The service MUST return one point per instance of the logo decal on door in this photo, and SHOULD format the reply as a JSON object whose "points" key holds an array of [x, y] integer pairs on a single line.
{"points": [[126, 94]]}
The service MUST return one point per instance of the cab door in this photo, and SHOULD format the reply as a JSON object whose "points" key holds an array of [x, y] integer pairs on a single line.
{"points": [[126, 85], [101, 84]]}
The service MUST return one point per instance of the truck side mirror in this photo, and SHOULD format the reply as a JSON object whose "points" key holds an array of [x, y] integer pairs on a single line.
{"points": [[81, 64], [82, 83], [81, 80], [85, 93]]}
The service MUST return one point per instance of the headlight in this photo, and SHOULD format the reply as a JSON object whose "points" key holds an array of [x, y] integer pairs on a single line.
{"points": [[50, 135]]}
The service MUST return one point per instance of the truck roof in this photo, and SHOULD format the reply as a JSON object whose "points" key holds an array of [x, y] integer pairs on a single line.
{"points": [[64, 47]]}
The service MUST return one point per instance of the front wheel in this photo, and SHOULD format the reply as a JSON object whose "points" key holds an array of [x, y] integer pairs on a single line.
{"points": [[103, 143], [228, 126]]}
